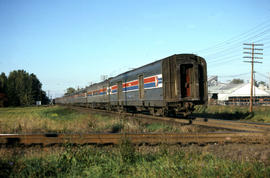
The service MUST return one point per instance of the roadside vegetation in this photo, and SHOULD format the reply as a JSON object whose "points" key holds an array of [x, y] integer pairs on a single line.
{"points": [[58, 119], [260, 113], [124, 160]]}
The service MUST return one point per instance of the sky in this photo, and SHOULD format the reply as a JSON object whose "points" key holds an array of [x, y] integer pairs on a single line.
{"points": [[71, 43]]}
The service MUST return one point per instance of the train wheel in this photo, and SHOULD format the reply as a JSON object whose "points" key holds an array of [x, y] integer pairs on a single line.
{"points": [[164, 112], [152, 111]]}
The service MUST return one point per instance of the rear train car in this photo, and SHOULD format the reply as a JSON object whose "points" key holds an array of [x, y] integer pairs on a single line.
{"points": [[173, 85]]}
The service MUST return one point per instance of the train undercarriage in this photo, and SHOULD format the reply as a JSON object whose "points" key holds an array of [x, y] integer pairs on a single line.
{"points": [[183, 109]]}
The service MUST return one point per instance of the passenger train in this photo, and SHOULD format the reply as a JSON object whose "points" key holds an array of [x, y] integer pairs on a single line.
{"points": [[173, 85]]}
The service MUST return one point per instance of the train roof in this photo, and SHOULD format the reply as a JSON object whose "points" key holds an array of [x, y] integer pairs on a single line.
{"points": [[84, 89], [184, 54]]}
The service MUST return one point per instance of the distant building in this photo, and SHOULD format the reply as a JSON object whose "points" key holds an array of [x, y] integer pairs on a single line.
{"points": [[212, 80], [237, 94], [38, 103]]}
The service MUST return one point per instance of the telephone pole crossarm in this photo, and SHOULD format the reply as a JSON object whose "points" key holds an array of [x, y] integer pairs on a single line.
{"points": [[253, 53], [252, 44]]}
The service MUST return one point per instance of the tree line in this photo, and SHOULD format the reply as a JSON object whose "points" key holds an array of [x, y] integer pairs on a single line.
{"points": [[240, 81], [21, 89]]}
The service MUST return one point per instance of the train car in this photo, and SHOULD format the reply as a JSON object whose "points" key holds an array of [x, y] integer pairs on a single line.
{"points": [[173, 85]]}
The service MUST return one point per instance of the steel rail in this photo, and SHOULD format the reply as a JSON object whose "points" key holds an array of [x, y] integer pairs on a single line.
{"points": [[140, 138], [212, 123], [259, 126]]}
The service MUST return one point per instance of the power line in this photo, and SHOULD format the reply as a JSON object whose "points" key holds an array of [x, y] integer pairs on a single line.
{"points": [[228, 45], [225, 50], [234, 44], [262, 25], [227, 56], [267, 77], [229, 51], [258, 35]]}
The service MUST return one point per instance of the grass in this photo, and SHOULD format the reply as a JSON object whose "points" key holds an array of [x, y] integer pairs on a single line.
{"points": [[58, 113], [41, 119], [260, 113], [126, 160], [57, 119]]}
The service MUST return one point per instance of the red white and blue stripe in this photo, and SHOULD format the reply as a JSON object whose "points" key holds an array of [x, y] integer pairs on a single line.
{"points": [[149, 83]]}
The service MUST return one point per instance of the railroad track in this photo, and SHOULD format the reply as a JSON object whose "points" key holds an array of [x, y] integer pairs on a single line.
{"points": [[223, 124], [250, 133], [148, 138], [241, 125]]}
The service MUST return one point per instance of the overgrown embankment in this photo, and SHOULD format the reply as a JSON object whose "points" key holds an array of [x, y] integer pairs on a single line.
{"points": [[58, 119], [125, 161], [260, 113]]}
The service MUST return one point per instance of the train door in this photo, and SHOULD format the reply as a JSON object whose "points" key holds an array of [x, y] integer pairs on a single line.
{"points": [[141, 87], [170, 92], [119, 92], [186, 80], [201, 82]]}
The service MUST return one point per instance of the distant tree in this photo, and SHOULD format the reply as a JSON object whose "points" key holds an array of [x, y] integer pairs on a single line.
{"points": [[70, 90], [78, 88], [13, 96], [19, 87], [237, 81], [24, 89], [3, 90], [3, 83], [44, 98], [36, 91], [259, 83]]}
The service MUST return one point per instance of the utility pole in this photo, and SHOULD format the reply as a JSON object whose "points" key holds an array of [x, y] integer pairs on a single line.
{"points": [[252, 51]]}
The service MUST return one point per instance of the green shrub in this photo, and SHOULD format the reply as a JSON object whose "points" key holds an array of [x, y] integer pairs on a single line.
{"points": [[127, 151]]}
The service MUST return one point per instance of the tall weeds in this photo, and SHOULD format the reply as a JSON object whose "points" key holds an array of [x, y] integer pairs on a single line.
{"points": [[126, 161]]}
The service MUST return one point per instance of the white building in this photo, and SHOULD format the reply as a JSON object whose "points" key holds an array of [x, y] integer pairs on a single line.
{"points": [[239, 94]]}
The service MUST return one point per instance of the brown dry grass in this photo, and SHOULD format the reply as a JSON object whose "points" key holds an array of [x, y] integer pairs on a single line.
{"points": [[57, 119]]}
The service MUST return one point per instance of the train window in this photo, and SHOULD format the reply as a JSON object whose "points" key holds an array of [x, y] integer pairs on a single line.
{"points": [[141, 87]]}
